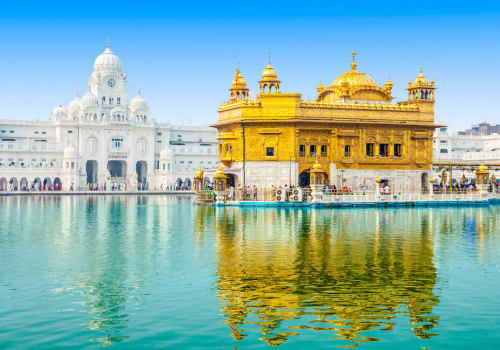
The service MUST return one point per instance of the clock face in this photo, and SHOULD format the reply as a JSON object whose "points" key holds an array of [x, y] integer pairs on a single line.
{"points": [[111, 83]]}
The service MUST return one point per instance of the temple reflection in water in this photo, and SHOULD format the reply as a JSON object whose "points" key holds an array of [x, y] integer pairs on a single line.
{"points": [[346, 272], [106, 264]]}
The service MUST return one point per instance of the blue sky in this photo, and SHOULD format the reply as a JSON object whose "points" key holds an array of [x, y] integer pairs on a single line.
{"points": [[182, 55]]}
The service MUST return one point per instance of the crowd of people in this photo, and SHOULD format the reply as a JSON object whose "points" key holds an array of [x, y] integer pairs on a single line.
{"points": [[117, 186], [255, 193], [34, 186], [463, 187], [175, 187]]}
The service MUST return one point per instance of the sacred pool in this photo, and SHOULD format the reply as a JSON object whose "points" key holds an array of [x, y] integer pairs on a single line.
{"points": [[161, 272]]}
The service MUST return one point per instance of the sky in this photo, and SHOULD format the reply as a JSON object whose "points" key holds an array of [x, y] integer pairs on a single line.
{"points": [[183, 55]]}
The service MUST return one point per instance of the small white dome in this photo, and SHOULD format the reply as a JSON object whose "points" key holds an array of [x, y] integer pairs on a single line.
{"points": [[89, 100], [108, 62], [74, 106], [70, 152], [166, 153], [59, 113], [138, 102]]}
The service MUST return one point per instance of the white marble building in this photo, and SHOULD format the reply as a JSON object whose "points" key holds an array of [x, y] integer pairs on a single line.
{"points": [[457, 147], [103, 138]]}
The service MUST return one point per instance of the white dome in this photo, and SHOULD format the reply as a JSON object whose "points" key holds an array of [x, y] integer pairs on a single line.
{"points": [[108, 62], [89, 100], [138, 102], [74, 106], [166, 153], [59, 113], [70, 152]]}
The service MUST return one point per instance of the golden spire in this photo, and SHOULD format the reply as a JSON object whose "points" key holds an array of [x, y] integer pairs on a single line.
{"points": [[353, 63], [269, 57], [320, 87], [421, 78], [388, 84]]}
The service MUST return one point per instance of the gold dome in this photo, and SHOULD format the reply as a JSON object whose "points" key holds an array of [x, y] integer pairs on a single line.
{"points": [[238, 81], [199, 174], [317, 168], [481, 168], [421, 79], [354, 77], [219, 173], [320, 87], [269, 73]]}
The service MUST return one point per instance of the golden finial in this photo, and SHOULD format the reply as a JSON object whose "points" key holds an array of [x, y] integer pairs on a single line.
{"points": [[353, 63], [421, 69], [269, 57]]}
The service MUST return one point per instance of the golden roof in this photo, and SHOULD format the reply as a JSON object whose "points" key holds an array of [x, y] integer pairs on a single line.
{"points": [[239, 82], [421, 79], [219, 173], [317, 168], [481, 168], [354, 77], [199, 174], [269, 73]]}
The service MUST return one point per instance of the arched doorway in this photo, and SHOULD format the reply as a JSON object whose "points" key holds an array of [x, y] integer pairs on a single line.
{"points": [[46, 183], [3, 184], [425, 181], [179, 183], [91, 168], [141, 167], [187, 183], [117, 168], [23, 184], [304, 178], [57, 184], [14, 185], [231, 180]]}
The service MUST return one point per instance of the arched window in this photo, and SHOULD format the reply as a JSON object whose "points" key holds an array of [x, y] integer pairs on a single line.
{"points": [[347, 151]]}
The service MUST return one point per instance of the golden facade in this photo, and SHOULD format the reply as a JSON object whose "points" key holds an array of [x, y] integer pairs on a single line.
{"points": [[353, 125]]}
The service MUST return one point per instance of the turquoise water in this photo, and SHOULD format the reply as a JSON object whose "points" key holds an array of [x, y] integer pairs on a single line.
{"points": [[159, 272]]}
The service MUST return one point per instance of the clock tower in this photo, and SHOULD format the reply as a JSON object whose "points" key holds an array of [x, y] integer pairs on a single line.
{"points": [[108, 84]]}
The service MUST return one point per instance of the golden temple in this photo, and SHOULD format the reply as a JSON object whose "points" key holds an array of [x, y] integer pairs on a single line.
{"points": [[352, 128]]}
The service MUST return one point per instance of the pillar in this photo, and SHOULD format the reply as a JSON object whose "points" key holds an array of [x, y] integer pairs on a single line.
{"points": [[220, 185], [317, 181]]}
